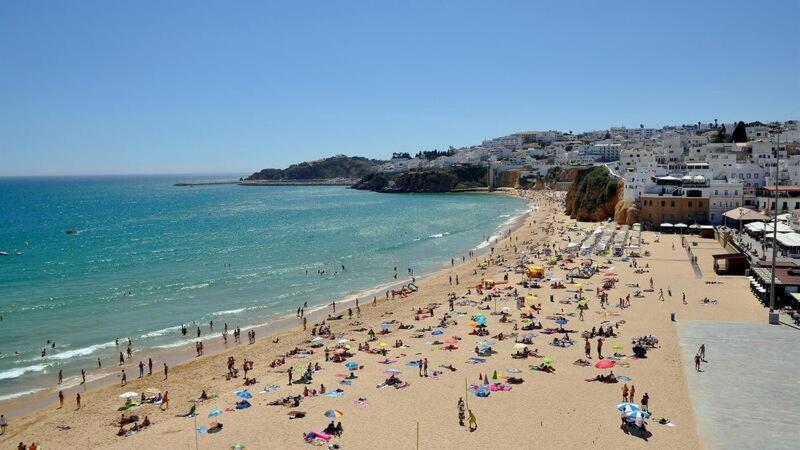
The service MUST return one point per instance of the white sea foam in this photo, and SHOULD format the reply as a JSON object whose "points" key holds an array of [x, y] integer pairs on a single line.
{"points": [[19, 371], [161, 332], [195, 286], [84, 351], [18, 394]]}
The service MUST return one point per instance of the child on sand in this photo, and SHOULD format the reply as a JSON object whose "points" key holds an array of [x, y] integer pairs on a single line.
{"points": [[473, 421]]}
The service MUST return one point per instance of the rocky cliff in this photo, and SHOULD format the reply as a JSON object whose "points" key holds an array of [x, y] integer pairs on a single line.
{"points": [[339, 166], [426, 180], [594, 195]]}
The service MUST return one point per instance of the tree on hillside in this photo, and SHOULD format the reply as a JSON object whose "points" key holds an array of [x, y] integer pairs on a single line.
{"points": [[739, 133], [720, 137]]}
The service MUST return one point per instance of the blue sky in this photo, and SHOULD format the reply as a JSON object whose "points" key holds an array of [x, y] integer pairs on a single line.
{"points": [[194, 86]]}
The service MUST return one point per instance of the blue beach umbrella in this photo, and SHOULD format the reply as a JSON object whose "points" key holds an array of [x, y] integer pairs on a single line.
{"points": [[627, 408], [351, 365], [437, 332], [385, 326], [215, 413], [244, 394], [637, 415], [561, 321]]}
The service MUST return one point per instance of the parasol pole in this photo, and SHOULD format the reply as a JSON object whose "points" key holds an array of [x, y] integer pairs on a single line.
{"points": [[418, 435]]}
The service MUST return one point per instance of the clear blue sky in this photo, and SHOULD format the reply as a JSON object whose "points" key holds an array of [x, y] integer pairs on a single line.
{"points": [[195, 86]]}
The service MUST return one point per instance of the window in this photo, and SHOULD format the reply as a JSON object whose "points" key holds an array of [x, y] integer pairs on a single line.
{"points": [[672, 203], [690, 204], [701, 204]]}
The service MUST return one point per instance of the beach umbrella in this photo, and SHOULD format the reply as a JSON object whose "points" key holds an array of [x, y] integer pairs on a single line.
{"points": [[129, 395], [215, 413], [316, 339], [578, 286], [385, 325], [244, 394], [333, 413], [392, 371], [437, 332], [383, 344], [238, 447], [494, 375], [351, 365], [605, 364], [520, 346], [547, 361], [339, 351], [473, 324], [583, 302], [617, 347], [609, 274], [637, 416], [531, 297], [343, 341], [529, 335], [627, 407], [561, 321], [451, 340]]}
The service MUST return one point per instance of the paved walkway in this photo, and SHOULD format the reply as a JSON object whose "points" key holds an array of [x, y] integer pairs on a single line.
{"points": [[748, 395]]}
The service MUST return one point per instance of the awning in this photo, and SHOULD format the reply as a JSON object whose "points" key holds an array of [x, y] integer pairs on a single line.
{"points": [[666, 225], [745, 214], [680, 225]]}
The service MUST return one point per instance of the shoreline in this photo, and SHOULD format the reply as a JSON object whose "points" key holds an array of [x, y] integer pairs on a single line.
{"points": [[180, 353]]}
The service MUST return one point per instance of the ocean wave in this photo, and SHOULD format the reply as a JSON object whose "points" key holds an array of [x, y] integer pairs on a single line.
{"points": [[438, 235], [229, 311], [160, 332], [195, 286], [19, 371], [83, 351], [18, 394]]}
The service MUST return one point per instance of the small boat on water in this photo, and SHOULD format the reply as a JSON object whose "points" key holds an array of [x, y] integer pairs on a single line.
{"points": [[3, 253], [72, 231]]}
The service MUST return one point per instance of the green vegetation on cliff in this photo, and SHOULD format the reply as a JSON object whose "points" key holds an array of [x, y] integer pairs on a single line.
{"points": [[425, 180], [339, 166]]}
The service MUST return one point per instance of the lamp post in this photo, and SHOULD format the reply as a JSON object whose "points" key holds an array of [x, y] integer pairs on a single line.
{"points": [[774, 318]]}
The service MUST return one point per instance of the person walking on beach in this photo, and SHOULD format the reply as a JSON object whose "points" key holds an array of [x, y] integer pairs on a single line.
{"points": [[645, 401], [473, 421], [60, 399], [149, 366], [3, 424], [632, 397], [625, 392], [290, 372], [425, 367], [121, 359], [661, 294], [305, 324], [702, 352], [83, 376], [60, 376], [461, 411], [166, 371], [599, 348], [78, 400], [587, 347], [141, 369], [165, 401], [124, 378], [697, 362]]}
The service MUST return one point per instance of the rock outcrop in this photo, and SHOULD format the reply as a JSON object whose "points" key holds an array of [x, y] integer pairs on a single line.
{"points": [[626, 212], [594, 195], [426, 180]]}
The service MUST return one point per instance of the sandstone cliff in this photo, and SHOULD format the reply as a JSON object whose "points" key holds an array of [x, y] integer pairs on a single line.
{"points": [[594, 195]]}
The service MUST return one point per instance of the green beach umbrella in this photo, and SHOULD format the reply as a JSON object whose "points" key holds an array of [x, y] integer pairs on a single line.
{"points": [[494, 375], [547, 361], [617, 347]]}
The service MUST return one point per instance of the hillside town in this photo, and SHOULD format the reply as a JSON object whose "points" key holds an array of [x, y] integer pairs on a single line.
{"points": [[685, 174]]}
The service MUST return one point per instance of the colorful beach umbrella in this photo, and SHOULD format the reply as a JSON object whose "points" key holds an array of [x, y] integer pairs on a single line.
{"points": [[561, 321], [333, 413], [215, 413], [547, 361], [351, 365], [617, 347], [605, 364], [129, 395], [244, 394], [437, 332]]}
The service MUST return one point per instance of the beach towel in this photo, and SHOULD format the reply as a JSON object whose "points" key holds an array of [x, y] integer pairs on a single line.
{"points": [[270, 389], [311, 435]]}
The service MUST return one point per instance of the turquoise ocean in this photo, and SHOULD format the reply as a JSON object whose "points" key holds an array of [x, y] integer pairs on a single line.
{"points": [[149, 257]]}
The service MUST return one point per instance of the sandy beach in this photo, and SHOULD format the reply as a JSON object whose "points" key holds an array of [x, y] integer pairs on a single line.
{"points": [[547, 409]]}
